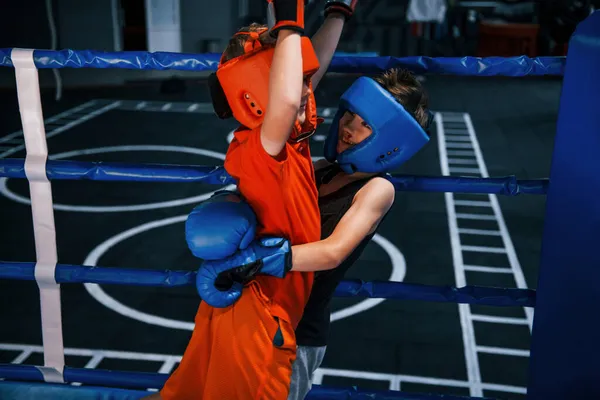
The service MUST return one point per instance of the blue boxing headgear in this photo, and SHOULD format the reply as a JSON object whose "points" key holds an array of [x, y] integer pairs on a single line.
{"points": [[396, 136]]}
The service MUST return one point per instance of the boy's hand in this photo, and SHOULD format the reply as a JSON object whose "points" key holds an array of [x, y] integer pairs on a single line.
{"points": [[285, 14], [220, 282], [344, 7]]}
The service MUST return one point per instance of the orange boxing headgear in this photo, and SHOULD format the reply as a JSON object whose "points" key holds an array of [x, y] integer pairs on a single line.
{"points": [[240, 87]]}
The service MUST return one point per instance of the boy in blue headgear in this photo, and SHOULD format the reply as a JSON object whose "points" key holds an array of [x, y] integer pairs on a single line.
{"points": [[380, 124]]}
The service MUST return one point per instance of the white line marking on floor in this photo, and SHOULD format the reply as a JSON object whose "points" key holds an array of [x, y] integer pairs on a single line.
{"points": [[15, 141], [472, 203], [462, 161], [452, 145], [458, 170], [498, 320], [481, 232], [23, 356], [118, 354], [458, 138], [484, 249], [168, 365], [8, 138], [468, 333], [492, 270], [66, 127], [469, 153], [481, 217], [508, 244], [398, 379], [503, 351]]}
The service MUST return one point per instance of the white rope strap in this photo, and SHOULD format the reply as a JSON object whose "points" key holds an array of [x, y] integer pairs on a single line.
{"points": [[30, 105]]}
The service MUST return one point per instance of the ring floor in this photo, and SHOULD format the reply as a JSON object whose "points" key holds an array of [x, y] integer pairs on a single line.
{"points": [[484, 127]]}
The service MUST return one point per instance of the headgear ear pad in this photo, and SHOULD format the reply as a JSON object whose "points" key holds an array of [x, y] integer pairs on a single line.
{"points": [[218, 98], [396, 136]]}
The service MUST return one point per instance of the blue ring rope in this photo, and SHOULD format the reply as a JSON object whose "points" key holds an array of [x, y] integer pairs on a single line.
{"points": [[491, 296], [467, 66], [143, 380], [216, 175]]}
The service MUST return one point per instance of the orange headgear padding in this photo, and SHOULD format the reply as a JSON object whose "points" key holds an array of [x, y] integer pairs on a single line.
{"points": [[308, 128], [243, 82]]}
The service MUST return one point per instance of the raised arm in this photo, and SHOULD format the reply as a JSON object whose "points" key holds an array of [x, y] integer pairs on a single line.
{"points": [[285, 80], [371, 203], [326, 39]]}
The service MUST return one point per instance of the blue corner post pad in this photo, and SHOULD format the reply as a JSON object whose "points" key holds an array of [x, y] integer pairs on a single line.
{"points": [[565, 349]]}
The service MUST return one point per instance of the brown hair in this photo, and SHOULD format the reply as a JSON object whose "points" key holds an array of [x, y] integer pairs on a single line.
{"points": [[235, 47], [405, 88]]}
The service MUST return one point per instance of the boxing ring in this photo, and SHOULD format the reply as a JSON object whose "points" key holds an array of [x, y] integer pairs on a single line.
{"points": [[565, 300]]}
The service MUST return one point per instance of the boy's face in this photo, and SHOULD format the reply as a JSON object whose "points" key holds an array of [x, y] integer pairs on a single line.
{"points": [[352, 130], [306, 92]]}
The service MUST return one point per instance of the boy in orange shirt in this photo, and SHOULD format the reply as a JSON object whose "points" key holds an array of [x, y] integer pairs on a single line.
{"points": [[246, 350]]}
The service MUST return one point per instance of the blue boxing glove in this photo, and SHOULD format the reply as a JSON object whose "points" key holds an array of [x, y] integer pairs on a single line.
{"points": [[220, 282], [220, 226]]}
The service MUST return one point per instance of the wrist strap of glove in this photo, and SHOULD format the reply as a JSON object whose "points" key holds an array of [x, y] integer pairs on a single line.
{"points": [[344, 7], [285, 14]]}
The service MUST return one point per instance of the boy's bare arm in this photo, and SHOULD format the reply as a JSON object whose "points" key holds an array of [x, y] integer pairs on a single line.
{"points": [[327, 38], [285, 81]]}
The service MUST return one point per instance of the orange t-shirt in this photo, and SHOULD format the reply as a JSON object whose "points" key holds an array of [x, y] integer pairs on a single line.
{"points": [[283, 194]]}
